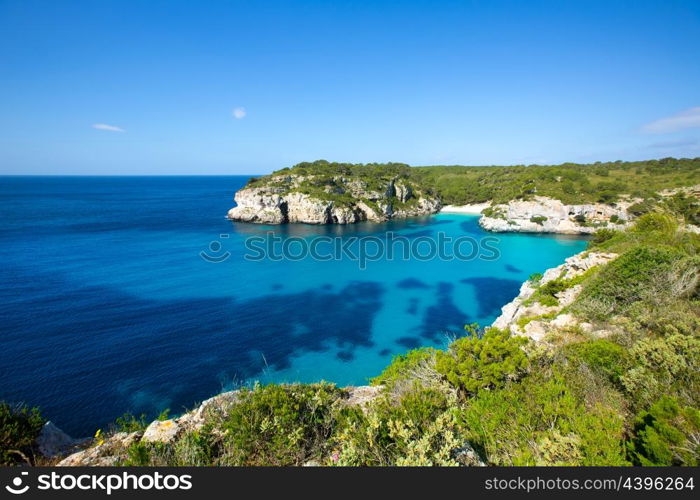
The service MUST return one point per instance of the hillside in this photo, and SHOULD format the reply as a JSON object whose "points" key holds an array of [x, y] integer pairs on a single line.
{"points": [[568, 182], [322, 192]]}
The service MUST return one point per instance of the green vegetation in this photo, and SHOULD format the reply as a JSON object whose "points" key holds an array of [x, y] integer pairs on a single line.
{"points": [[19, 427], [417, 428], [473, 363], [130, 423], [404, 365], [569, 182], [666, 434], [279, 425], [346, 183], [572, 183]]}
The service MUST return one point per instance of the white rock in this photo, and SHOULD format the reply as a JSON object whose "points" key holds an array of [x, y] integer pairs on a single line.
{"points": [[361, 395], [161, 431], [279, 202], [560, 218]]}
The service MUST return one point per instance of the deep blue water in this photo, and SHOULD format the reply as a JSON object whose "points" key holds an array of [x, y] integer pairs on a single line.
{"points": [[106, 305]]}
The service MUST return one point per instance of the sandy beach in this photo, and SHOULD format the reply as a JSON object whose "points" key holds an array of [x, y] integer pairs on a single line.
{"points": [[474, 209]]}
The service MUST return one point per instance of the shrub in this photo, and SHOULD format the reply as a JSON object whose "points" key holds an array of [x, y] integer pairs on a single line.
{"points": [[603, 355], [663, 365], [130, 423], [685, 206], [535, 279], [523, 321], [279, 424], [418, 429], [538, 219], [601, 236], [194, 449], [655, 222], [546, 293], [642, 207], [475, 363], [19, 428], [494, 212], [643, 273], [541, 421], [404, 365], [666, 434]]}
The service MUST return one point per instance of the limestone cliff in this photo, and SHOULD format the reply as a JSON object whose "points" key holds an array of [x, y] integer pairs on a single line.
{"points": [[528, 317], [330, 200], [546, 215]]}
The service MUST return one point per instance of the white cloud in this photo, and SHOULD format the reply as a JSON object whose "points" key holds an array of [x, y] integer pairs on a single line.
{"points": [[690, 118], [108, 128], [238, 113]]}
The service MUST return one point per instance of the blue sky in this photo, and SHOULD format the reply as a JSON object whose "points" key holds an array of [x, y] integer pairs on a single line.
{"points": [[184, 87]]}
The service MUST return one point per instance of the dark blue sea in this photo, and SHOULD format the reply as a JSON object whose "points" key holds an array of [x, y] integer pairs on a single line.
{"points": [[107, 304]]}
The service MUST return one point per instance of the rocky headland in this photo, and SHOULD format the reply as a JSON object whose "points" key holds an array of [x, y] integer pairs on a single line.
{"points": [[314, 199]]}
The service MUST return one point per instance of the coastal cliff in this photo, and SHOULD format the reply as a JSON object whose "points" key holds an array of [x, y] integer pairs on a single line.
{"points": [[546, 215], [333, 194]]}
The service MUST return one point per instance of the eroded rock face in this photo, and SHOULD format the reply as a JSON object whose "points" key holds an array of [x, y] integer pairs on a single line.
{"points": [[53, 442], [281, 200], [546, 215], [107, 453], [521, 307]]}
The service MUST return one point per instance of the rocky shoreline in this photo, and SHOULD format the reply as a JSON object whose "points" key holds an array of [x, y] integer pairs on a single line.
{"points": [[547, 215], [340, 200], [542, 319]]}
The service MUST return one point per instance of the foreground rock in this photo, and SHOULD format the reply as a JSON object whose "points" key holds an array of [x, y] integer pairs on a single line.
{"points": [[53, 442], [338, 200], [546, 215]]}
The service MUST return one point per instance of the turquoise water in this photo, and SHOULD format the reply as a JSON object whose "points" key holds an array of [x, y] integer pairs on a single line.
{"points": [[107, 305]]}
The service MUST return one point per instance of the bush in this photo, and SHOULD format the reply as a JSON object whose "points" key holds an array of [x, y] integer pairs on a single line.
{"points": [[685, 206], [535, 279], [418, 429], [130, 423], [641, 274], [538, 219], [404, 365], [608, 357], [642, 207], [541, 421], [279, 424], [601, 236], [19, 428], [662, 366], [472, 363], [666, 434]]}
